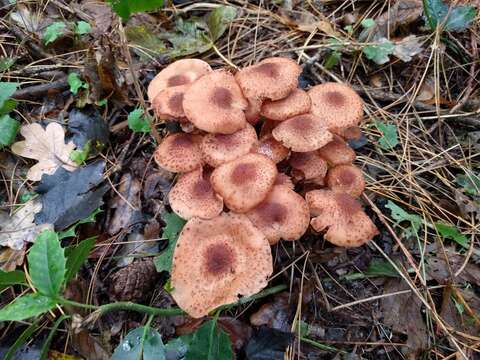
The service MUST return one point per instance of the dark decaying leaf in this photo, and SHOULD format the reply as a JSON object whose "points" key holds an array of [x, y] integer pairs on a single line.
{"points": [[274, 314], [70, 196], [88, 346], [441, 271], [134, 282], [268, 344], [87, 125]]}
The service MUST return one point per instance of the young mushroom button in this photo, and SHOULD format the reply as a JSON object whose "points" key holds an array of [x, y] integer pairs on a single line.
{"points": [[179, 153]]}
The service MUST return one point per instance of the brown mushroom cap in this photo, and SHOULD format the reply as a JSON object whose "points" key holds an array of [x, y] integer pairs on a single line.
{"points": [[180, 72], [338, 105], [282, 215], [271, 148], [217, 260], [244, 182], [215, 104], [285, 180], [168, 103], [351, 133], [219, 148], [310, 165], [273, 78], [302, 133], [342, 217], [193, 196], [179, 153], [346, 179], [337, 152], [252, 112], [296, 103]]}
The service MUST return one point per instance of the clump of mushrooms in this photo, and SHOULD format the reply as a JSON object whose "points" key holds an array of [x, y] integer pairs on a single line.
{"points": [[237, 186]]}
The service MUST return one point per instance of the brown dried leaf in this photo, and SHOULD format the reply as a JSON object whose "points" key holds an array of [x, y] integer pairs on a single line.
{"points": [[441, 271], [10, 259], [466, 205], [275, 315], [89, 347], [126, 204]]}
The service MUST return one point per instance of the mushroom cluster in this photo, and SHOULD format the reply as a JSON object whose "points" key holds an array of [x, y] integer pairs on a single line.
{"points": [[250, 140]]}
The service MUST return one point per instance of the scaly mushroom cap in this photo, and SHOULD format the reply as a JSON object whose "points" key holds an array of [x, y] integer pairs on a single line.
{"points": [[193, 196], [282, 215], [338, 105], [168, 103], [271, 148], [252, 112], [219, 148], [310, 166], [284, 180], [337, 152], [215, 104], [217, 260], [273, 78], [244, 182], [302, 133], [346, 179], [181, 72], [296, 103], [351, 133], [179, 153], [341, 216]]}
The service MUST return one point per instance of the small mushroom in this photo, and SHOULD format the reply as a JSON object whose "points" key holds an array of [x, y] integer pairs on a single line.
{"points": [[341, 216], [296, 103], [302, 133], [219, 148], [282, 215], [193, 196], [308, 166], [271, 148], [215, 104], [346, 179], [272, 78], [244, 182], [338, 105], [215, 261], [337, 152], [181, 72], [351, 133], [179, 153], [168, 103]]}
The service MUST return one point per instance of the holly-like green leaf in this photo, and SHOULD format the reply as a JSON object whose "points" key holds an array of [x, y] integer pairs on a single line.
{"points": [[76, 83], [173, 226], [137, 122], [140, 343], [458, 18], [7, 89], [400, 215], [218, 21], [53, 32], [80, 156], [76, 256], [124, 8], [389, 138], [25, 307], [470, 183], [46, 263], [451, 232], [209, 342], [82, 28], [379, 53], [8, 130]]}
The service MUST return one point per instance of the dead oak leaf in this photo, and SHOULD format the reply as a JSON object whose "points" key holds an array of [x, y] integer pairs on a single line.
{"points": [[47, 146]]}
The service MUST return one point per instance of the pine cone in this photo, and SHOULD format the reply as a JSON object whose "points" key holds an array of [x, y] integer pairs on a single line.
{"points": [[135, 281]]}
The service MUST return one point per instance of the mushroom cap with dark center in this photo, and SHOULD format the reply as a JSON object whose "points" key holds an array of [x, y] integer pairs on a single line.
{"points": [[337, 152], [337, 105], [193, 196], [272, 78], [215, 261], [179, 153], [244, 182], [271, 148], [302, 133], [284, 214], [215, 104], [296, 103], [219, 148], [168, 104], [310, 166], [180, 72], [341, 216], [346, 179]]}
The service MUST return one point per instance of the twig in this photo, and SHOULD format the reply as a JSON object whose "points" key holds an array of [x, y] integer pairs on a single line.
{"points": [[38, 91]]}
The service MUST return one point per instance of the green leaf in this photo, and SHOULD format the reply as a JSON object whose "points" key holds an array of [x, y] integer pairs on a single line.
{"points": [[20, 341], [209, 342], [6, 63], [15, 277], [137, 122], [124, 8], [53, 32], [400, 215], [458, 18], [7, 89], [173, 226], [82, 28], [381, 268], [470, 183], [46, 263], [367, 23], [8, 106], [26, 306], [8, 130], [389, 138], [332, 59], [140, 343], [76, 83], [379, 53], [71, 231], [48, 341], [451, 232], [219, 19], [80, 156], [76, 256]]}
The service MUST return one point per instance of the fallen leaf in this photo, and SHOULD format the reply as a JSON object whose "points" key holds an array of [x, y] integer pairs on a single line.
{"points": [[379, 52], [307, 22], [406, 48], [47, 146], [88, 346], [20, 228], [467, 206], [88, 125], [268, 343], [238, 331], [275, 314], [441, 271], [10, 259]]}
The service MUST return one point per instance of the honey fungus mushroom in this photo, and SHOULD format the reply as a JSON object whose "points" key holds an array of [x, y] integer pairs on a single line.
{"points": [[193, 196], [308, 166], [337, 152], [296, 103], [181, 72], [346, 179], [271, 148], [179, 153], [168, 103], [244, 182], [341, 216], [215, 104], [217, 260], [282, 215]]}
